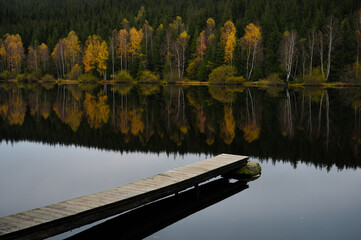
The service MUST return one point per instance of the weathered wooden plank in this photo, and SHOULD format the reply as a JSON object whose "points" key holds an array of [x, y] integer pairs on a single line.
{"points": [[38, 216], [66, 215], [63, 208], [58, 211]]}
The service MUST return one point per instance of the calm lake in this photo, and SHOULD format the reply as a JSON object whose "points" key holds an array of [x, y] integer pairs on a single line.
{"points": [[61, 142]]}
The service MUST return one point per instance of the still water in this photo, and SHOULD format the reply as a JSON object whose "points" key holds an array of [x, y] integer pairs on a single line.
{"points": [[60, 142]]}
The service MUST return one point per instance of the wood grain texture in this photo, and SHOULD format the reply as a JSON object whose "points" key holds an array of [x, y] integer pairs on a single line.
{"points": [[64, 216]]}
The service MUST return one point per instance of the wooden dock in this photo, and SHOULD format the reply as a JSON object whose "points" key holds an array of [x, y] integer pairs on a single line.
{"points": [[57, 218], [141, 223]]}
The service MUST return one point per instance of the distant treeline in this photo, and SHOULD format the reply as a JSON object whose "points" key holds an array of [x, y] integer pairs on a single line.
{"points": [[296, 40]]}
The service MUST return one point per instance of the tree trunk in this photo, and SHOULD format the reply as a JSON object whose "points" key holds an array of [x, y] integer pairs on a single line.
{"points": [[311, 45], [321, 55]]}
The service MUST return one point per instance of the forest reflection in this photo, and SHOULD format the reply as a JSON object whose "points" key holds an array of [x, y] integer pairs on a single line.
{"points": [[314, 125]]}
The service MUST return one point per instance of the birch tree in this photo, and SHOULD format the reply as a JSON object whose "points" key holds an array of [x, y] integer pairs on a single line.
{"points": [[122, 47], [303, 55], [113, 48], [135, 41], [96, 55], [288, 52], [320, 43], [32, 59], [58, 56], [251, 42], [44, 55], [180, 49], [330, 34], [72, 49], [357, 66], [228, 38], [311, 47], [14, 52]]}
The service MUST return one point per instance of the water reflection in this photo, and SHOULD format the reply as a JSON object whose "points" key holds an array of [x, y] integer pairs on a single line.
{"points": [[313, 125], [148, 219]]}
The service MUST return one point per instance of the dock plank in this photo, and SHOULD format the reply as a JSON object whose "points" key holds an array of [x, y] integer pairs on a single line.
{"points": [[64, 216]]}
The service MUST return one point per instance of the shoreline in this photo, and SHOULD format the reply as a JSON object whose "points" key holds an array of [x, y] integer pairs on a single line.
{"points": [[261, 83]]}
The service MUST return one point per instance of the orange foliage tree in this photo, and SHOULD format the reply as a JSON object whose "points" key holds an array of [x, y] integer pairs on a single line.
{"points": [[96, 55], [135, 41], [228, 39], [14, 52], [205, 38]]}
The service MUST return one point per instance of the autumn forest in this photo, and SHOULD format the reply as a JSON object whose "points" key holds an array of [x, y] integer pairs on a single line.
{"points": [[217, 41]]}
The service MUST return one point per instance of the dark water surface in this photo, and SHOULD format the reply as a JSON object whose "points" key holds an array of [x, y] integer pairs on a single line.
{"points": [[60, 142]]}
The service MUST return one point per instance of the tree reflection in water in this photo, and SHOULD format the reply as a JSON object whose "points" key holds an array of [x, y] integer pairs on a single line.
{"points": [[314, 125]]}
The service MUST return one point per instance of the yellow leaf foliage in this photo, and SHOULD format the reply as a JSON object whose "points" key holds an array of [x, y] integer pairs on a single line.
{"points": [[70, 114], [97, 111], [122, 42], [137, 125], [123, 123], [75, 72], [252, 35], [4, 110], [96, 54], [229, 48], [2, 51], [131, 120], [45, 110], [183, 36], [135, 41], [44, 53], [14, 51], [160, 28], [16, 110], [228, 125], [228, 38], [72, 44], [251, 132], [210, 140], [210, 23], [199, 112], [73, 117]]}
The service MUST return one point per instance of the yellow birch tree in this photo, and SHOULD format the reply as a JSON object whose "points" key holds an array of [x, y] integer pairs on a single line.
{"points": [[228, 38], [58, 56], [180, 49], [14, 51], [43, 54], [96, 55], [135, 41], [122, 48], [72, 48], [251, 42]]}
